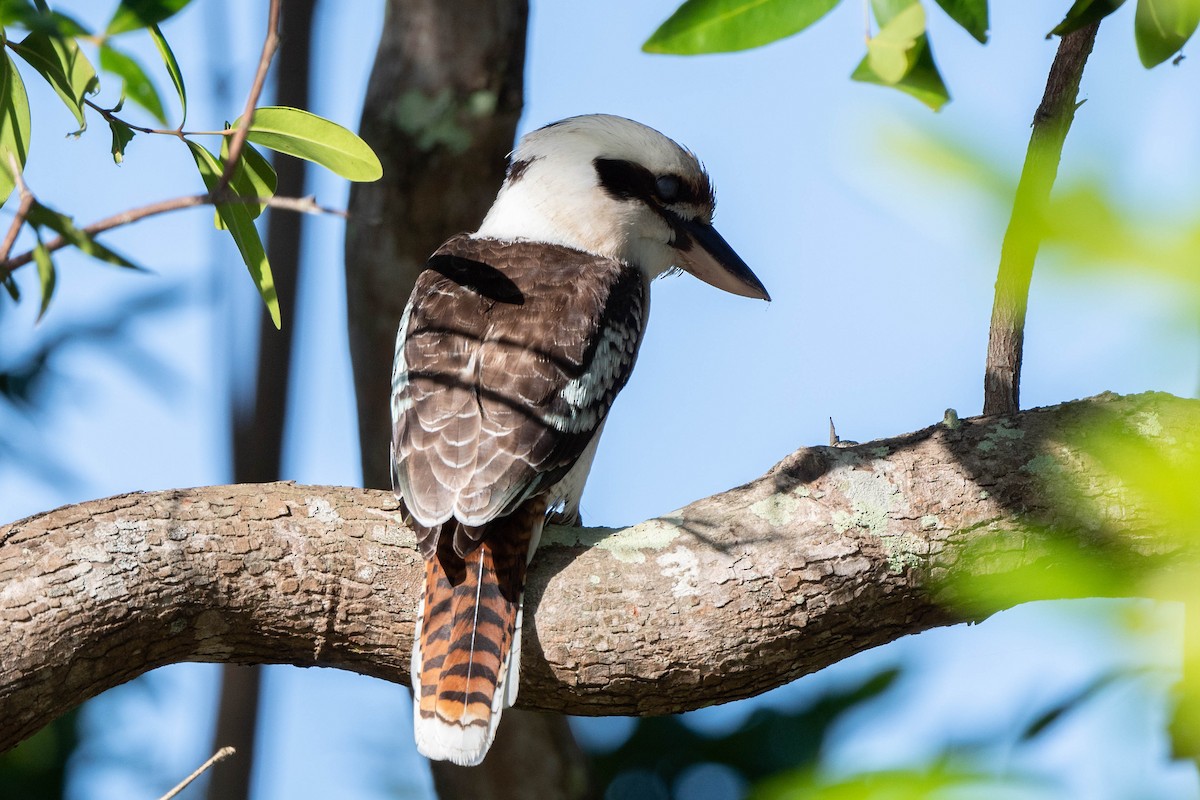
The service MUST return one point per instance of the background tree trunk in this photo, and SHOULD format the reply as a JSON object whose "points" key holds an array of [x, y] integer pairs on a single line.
{"points": [[441, 111], [833, 551], [258, 426]]}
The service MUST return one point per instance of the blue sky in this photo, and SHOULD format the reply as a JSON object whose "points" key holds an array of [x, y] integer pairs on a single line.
{"points": [[882, 274]]}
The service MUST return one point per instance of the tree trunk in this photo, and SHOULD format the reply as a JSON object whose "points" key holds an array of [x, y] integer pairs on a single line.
{"points": [[833, 551], [441, 111]]}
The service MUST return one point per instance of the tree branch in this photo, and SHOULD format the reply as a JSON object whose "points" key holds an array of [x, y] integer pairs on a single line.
{"points": [[238, 140], [1006, 335], [300, 205], [833, 551]]}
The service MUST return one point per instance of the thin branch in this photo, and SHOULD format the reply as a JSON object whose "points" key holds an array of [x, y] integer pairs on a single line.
{"points": [[109, 116], [1006, 337], [10, 238], [270, 44], [300, 205], [217, 757]]}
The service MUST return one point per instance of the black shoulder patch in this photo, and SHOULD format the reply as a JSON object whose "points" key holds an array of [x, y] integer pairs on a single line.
{"points": [[481, 278]]}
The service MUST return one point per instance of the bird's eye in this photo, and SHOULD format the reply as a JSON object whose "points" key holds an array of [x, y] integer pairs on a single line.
{"points": [[668, 188]]}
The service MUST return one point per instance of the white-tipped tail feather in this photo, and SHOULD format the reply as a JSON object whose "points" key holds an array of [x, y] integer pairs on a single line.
{"points": [[466, 745]]}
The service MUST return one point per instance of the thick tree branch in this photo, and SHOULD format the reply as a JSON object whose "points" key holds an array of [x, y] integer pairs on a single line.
{"points": [[833, 551]]}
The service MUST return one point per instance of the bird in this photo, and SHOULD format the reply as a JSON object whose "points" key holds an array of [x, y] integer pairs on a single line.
{"points": [[510, 351]]}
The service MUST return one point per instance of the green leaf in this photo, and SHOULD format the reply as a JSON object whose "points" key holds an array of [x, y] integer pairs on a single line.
{"points": [[922, 81], [63, 65], [11, 286], [722, 26], [16, 12], [45, 268], [238, 220], [1161, 28], [172, 65], [43, 216], [253, 177], [972, 15], [1085, 12], [316, 139], [132, 15], [14, 123], [40, 19], [122, 135], [894, 50], [136, 84]]}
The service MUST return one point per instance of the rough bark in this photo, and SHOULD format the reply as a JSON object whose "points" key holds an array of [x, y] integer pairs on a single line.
{"points": [[833, 551]]}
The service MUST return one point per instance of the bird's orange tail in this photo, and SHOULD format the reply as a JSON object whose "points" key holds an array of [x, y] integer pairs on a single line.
{"points": [[466, 660]]}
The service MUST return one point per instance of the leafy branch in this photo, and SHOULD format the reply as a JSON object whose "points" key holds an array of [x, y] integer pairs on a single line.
{"points": [[899, 54], [240, 181]]}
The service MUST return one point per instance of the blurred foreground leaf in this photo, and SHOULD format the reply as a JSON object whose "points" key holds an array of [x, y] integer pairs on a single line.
{"points": [[1162, 27], [136, 84], [972, 15], [132, 15], [722, 26], [1083, 13]]}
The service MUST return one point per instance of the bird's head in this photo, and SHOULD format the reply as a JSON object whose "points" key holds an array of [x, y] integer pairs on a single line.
{"points": [[614, 187]]}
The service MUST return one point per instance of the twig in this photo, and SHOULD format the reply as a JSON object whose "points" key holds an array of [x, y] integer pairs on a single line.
{"points": [[109, 116], [1006, 337], [220, 755], [301, 205], [270, 43], [10, 238]]}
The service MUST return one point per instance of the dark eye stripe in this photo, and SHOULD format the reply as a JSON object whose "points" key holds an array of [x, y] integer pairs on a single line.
{"points": [[625, 180]]}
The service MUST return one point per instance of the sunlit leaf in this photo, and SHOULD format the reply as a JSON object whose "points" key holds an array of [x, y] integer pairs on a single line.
{"points": [[63, 65], [240, 223], [304, 135], [972, 15], [136, 84], [1161, 28], [721, 26], [42, 216], [1083, 13], [46, 276], [168, 57], [253, 177], [922, 81], [895, 49], [132, 15], [14, 124]]}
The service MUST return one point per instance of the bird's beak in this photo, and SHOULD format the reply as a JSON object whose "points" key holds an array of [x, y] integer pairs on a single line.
{"points": [[707, 255]]}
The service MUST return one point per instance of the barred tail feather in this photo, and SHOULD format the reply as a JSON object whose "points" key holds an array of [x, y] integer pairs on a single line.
{"points": [[466, 657]]}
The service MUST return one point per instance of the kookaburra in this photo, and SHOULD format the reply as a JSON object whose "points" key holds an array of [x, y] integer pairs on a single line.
{"points": [[510, 352]]}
